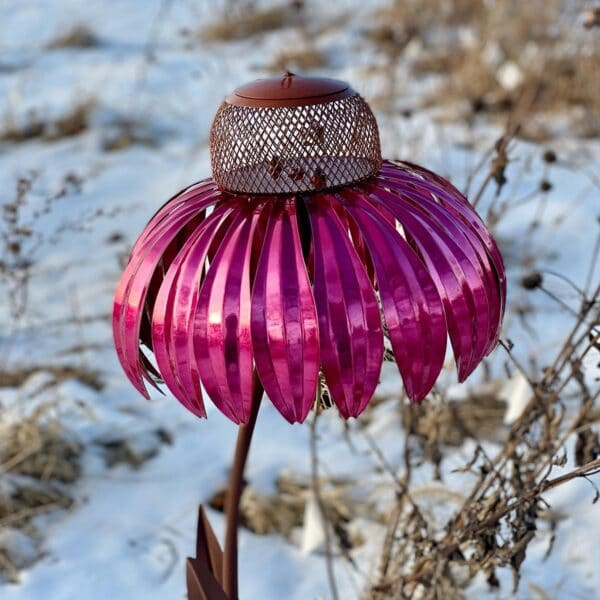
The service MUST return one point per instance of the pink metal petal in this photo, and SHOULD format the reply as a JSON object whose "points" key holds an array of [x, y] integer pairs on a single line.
{"points": [[158, 248], [452, 199], [412, 307], [130, 296], [159, 273], [196, 192], [357, 241], [222, 338], [186, 298], [173, 314], [459, 284], [285, 335], [349, 320], [468, 241]]}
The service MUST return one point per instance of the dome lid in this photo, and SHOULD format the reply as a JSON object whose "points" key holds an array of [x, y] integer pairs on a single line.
{"points": [[290, 90]]}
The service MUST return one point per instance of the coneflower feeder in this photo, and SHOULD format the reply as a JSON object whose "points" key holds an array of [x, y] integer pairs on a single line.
{"points": [[302, 254]]}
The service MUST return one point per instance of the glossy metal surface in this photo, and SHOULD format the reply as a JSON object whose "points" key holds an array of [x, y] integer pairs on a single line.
{"points": [[229, 283], [285, 334], [290, 90], [349, 320], [412, 308]]}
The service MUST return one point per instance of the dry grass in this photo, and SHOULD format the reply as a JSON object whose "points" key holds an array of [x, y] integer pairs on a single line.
{"points": [[133, 451], [441, 423], [60, 373], [467, 44], [73, 123], [245, 20], [124, 133], [298, 59], [39, 460], [562, 82], [283, 511], [78, 37], [40, 450]]}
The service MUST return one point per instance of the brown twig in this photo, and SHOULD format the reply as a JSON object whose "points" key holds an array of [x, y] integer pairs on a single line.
{"points": [[316, 486]]}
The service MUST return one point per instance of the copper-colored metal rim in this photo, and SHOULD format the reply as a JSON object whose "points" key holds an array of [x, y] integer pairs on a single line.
{"points": [[289, 91], [238, 182]]}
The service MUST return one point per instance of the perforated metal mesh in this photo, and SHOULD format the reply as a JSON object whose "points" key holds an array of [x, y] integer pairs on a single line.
{"points": [[294, 149]]}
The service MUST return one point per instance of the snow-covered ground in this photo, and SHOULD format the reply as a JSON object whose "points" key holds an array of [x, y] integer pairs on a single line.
{"points": [[150, 73]]}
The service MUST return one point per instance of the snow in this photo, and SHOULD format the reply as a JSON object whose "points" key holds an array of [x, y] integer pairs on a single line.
{"points": [[510, 75], [131, 529], [516, 392]]}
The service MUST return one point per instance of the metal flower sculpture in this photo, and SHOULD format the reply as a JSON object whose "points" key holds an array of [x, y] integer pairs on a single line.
{"points": [[296, 261]]}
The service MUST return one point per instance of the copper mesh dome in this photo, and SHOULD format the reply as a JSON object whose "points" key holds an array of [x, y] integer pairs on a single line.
{"points": [[293, 134]]}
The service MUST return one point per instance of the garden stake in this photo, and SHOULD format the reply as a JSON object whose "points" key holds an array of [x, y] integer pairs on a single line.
{"points": [[298, 264]]}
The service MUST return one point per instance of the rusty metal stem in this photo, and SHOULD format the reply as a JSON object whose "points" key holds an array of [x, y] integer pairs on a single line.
{"points": [[234, 493]]}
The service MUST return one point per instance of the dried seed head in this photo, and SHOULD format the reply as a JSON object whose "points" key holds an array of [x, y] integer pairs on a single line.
{"points": [[532, 281], [591, 18]]}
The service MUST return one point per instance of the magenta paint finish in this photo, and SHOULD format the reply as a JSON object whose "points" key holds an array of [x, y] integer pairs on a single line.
{"points": [[298, 284], [295, 262]]}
